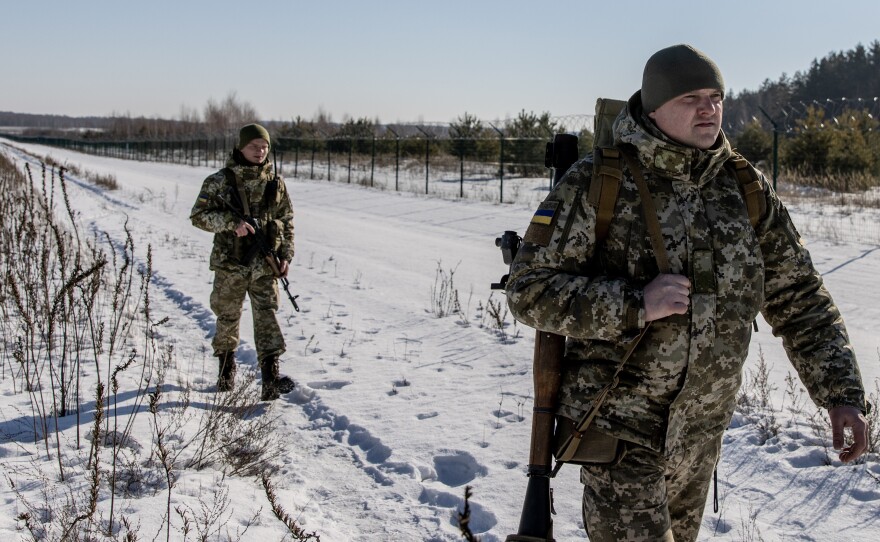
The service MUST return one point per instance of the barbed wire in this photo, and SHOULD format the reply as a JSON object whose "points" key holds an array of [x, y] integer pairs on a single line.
{"points": [[575, 123], [789, 116]]}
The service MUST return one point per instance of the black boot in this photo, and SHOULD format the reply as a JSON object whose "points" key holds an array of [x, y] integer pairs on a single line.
{"points": [[274, 384], [226, 374]]}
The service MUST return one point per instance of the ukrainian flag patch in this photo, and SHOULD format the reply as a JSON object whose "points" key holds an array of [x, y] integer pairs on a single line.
{"points": [[541, 227], [545, 213], [203, 199]]}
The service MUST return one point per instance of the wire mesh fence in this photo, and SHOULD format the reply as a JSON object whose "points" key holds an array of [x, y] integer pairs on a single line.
{"points": [[453, 168], [499, 169]]}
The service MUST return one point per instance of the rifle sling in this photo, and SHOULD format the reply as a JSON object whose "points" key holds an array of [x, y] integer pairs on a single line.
{"points": [[650, 212], [241, 193], [568, 448]]}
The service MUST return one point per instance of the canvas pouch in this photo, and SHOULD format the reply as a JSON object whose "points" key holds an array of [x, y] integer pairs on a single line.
{"points": [[592, 447]]}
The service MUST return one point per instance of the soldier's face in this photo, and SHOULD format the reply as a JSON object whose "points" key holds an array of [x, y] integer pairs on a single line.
{"points": [[256, 151], [693, 119]]}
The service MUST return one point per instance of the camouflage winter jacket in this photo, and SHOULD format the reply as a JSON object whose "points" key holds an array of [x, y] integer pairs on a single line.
{"points": [[680, 384], [271, 208]]}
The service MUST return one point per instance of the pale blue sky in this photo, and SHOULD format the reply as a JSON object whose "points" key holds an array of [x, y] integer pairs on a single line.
{"points": [[394, 60]]}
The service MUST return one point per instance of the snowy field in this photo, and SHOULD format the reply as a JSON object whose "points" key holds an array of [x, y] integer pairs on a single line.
{"points": [[398, 410]]}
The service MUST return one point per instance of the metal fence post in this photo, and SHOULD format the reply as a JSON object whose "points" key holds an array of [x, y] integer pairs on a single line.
{"points": [[396, 158], [427, 156], [501, 159], [314, 147], [461, 169], [775, 146], [372, 160]]}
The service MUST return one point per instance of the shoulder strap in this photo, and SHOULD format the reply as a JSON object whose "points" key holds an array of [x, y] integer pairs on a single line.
{"points": [[750, 186], [607, 176], [230, 178], [607, 165]]}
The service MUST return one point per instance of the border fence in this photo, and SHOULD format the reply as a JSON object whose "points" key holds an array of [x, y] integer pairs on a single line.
{"points": [[425, 158], [429, 165]]}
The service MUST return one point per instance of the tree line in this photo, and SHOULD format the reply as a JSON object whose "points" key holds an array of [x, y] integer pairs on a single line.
{"points": [[825, 118]]}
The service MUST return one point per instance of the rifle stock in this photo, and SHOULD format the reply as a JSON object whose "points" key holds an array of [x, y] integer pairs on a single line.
{"points": [[536, 521]]}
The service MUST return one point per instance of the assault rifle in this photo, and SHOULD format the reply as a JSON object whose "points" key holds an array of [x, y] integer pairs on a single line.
{"points": [[262, 245], [536, 523]]}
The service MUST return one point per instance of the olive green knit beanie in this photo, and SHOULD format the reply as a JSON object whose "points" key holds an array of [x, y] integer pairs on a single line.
{"points": [[251, 132], [674, 71]]}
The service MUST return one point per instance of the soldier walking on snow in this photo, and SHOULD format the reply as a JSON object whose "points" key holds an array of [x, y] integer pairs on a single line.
{"points": [[672, 399], [247, 188]]}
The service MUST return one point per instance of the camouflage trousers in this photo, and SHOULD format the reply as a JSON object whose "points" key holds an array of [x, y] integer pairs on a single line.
{"points": [[227, 299], [649, 497]]}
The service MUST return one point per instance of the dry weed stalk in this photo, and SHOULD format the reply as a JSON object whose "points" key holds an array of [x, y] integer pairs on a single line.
{"points": [[464, 517], [444, 295], [754, 399], [292, 525]]}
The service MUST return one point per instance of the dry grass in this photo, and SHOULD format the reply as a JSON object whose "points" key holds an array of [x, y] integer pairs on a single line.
{"points": [[853, 190]]}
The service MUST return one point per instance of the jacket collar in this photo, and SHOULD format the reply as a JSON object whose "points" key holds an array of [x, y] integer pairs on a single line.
{"points": [[245, 170], [661, 155]]}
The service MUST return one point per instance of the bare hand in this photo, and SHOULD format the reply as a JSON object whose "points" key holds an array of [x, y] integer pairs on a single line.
{"points": [[841, 418], [666, 295], [243, 229], [284, 268]]}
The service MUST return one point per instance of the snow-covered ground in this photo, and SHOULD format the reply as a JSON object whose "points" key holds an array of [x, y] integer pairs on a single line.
{"points": [[398, 410]]}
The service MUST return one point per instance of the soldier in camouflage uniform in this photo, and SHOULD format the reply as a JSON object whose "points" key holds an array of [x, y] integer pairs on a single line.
{"points": [[239, 268], [676, 392]]}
